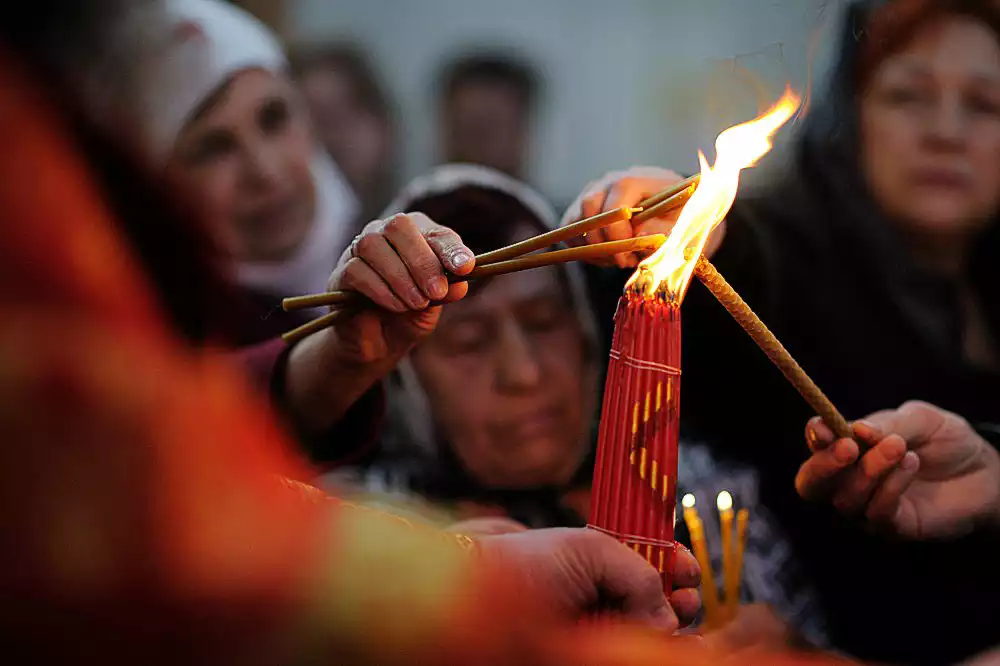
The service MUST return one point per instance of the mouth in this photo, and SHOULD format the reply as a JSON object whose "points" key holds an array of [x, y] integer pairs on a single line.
{"points": [[947, 179], [536, 424], [274, 215]]}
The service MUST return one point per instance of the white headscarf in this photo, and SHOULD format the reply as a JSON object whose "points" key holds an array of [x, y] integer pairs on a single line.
{"points": [[206, 43]]}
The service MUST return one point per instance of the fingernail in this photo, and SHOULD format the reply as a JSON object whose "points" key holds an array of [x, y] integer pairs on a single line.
{"points": [[460, 259], [417, 300], [437, 287], [910, 462]]}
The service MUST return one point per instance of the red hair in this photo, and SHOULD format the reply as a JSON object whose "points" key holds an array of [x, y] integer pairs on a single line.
{"points": [[892, 27]]}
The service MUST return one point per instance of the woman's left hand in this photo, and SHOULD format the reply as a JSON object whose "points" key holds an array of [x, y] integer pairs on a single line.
{"points": [[402, 264], [924, 473], [625, 189]]}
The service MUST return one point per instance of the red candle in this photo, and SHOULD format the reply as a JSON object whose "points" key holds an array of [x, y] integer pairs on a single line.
{"points": [[635, 476]]}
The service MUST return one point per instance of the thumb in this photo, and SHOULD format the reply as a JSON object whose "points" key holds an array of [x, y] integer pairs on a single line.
{"points": [[624, 576]]}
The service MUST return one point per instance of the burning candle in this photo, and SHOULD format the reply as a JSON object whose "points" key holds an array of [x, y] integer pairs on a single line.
{"points": [[724, 502], [634, 488], [696, 529]]}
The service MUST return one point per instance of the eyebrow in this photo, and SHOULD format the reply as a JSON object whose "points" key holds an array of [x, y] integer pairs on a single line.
{"points": [[914, 67]]}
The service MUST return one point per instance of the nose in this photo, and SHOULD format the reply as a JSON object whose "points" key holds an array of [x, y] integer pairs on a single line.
{"points": [[518, 369], [261, 165], [947, 126]]}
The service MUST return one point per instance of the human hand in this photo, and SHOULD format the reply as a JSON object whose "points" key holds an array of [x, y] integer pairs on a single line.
{"points": [[490, 526], [579, 571], [402, 264], [755, 627], [626, 189], [927, 474]]}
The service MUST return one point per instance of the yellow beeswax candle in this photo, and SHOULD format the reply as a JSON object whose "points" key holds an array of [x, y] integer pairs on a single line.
{"points": [[742, 517], [709, 592], [724, 502]]}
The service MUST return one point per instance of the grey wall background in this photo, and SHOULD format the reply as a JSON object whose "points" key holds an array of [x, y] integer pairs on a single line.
{"points": [[628, 81]]}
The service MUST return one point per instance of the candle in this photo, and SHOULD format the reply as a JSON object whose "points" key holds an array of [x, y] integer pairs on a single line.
{"points": [[634, 487], [709, 593], [741, 543], [724, 502]]}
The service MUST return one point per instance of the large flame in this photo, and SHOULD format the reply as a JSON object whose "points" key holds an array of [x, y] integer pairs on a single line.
{"points": [[669, 268]]}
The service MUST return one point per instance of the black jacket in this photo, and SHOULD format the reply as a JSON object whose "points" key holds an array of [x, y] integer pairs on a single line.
{"points": [[818, 262]]}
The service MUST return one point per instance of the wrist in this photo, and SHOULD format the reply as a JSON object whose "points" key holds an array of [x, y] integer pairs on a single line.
{"points": [[322, 381]]}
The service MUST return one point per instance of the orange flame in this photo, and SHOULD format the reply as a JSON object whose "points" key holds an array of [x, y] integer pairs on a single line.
{"points": [[741, 146]]}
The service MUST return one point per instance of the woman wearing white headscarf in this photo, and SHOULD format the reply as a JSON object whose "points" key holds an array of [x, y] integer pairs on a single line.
{"points": [[221, 113], [493, 413]]}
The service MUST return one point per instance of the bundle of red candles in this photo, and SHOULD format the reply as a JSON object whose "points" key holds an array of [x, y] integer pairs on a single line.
{"points": [[635, 475]]}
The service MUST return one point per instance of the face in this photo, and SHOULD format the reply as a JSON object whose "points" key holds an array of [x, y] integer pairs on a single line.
{"points": [[487, 124], [930, 122], [356, 138], [508, 383], [247, 158]]}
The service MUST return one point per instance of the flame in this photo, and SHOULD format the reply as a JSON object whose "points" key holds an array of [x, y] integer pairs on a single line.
{"points": [[724, 502], [669, 268]]}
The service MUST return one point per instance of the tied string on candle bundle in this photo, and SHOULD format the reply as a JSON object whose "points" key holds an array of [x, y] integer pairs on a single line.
{"points": [[634, 486]]}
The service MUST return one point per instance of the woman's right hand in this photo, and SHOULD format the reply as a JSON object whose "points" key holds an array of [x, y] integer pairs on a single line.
{"points": [[403, 265], [626, 189]]}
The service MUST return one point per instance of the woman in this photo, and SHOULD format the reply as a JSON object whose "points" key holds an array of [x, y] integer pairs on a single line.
{"points": [[235, 132], [148, 514], [874, 261], [493, 413]]}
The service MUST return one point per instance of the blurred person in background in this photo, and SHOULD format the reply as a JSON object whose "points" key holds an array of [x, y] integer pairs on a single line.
{"points": [[235, 132], [494, 414], [874, 260], [486, 106], [150, 508], [353, 118]]}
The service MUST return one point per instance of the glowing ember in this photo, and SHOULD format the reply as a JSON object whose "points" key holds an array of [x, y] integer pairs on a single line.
{"points": [[736, 148]]}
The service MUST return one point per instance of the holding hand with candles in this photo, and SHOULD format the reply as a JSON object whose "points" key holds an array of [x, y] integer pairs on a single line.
{"points": [[402, 264], [631, 188], [925, 472]]}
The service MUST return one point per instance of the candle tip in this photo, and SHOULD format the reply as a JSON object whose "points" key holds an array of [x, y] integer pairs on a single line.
{"points": [[724, 501], [688, 501]]}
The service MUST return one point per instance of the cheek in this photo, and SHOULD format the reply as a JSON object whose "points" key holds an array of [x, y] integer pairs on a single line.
{"points": [[986, 164], [888, 146], [298, 155], [458, 390], [213, 188]]}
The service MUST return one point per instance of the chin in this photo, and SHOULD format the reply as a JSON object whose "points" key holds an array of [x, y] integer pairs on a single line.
{"points": [[939, 216]]}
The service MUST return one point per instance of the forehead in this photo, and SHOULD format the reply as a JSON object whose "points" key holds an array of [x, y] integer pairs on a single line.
{"points": [[956, 46], [241, 92]]}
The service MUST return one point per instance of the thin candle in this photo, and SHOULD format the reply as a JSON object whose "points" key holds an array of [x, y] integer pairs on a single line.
{"points": [[724, 502], [696, 529], [742, 518], [766, 340]]}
